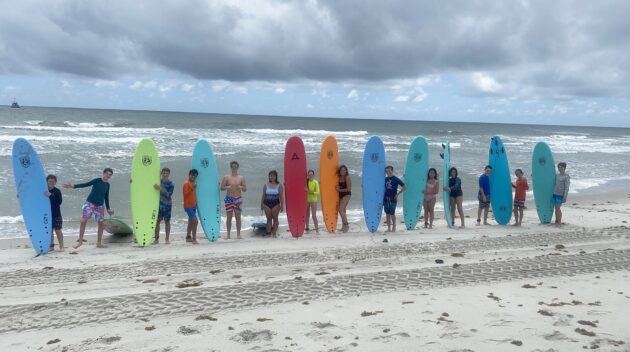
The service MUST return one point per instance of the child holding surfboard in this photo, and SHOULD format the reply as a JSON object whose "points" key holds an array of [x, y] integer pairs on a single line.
{"points": [[430, 191], [234, 185], [93, 205], [456, 195], [54, 194], [166, 189], [345, 192], [560, 191], [484, 195], [391, 197], [312, 189], [521, 188], [190, 206]]}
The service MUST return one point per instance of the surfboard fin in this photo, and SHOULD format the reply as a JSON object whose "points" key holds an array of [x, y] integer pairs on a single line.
{"points": [[442, 155], [443, 146]]}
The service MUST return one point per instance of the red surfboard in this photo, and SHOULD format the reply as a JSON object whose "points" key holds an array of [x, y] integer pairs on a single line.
{"points": [[295, 185]]}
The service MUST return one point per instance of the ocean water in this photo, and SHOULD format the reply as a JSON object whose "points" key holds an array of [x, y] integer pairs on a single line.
{"points": [[77, 144]]}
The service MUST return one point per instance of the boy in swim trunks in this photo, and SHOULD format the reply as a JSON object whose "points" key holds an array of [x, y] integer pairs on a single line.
{"points": [[54, 194], [233, 185], [560, 191], [521, 188], [391, 197], [94, 205], [166, 188], [484, 195], [190, 206]]}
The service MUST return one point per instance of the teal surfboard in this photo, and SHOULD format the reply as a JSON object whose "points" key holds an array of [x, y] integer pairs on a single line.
{"points": [[30, 183], [416, 170], [500, 182], [145, 199], [208, 189], [117, 226], [373, 182], [446, 196], [543, 181]]}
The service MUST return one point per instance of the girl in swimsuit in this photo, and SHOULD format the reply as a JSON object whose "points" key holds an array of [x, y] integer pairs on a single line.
{"points": [[271, 202], [344, 188], [457, 196], [430, 193]]}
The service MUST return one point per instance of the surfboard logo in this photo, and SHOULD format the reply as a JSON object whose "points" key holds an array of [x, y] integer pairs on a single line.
{"points": [[417, 157], [147, 160], [542, 161], [295, 157], [329, 155], [25, 161], [374, 157], [205, 162]]}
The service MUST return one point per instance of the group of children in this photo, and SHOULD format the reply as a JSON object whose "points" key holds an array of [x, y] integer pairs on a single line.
{"points": [[272, 200]]}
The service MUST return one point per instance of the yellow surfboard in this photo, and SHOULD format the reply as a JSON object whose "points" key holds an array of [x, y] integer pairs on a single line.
{"points": [[145, 199], [329, 180]]}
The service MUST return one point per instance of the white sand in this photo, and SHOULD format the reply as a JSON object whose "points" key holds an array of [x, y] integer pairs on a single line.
{"points": [[499, 288]]}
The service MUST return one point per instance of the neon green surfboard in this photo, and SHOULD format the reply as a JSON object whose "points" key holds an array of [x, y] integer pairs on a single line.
{"points": [[145, 199]]}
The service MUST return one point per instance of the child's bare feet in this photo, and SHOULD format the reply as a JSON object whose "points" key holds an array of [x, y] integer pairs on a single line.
{"points": [[100, 245], [167, 242], [195, 242], [60, 249], [239, 237], [79, 244]]}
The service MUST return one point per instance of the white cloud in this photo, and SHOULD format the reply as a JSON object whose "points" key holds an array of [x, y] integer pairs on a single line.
{"points": [[309, 106], [187, 87], [402, 98], [229, 88], [65, 84], [485, 83], [280, 90], [353, 94], [101, 83]]}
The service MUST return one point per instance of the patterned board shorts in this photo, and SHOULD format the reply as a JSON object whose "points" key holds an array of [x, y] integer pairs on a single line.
{"points": [[165, 212], [97, 210], [232, 204], [389, 205], [482, 204], [57, 223], [519, 203]]}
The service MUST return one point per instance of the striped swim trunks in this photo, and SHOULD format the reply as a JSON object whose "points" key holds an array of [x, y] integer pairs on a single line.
{"points": [[232, 203]]}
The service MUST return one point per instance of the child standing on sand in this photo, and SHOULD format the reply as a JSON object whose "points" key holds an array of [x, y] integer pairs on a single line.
{"points": [[190, 206], [456, 194], [312, 189], [430, 194], [55, 207], [484, 195], [391, 197], [94, 205], [560, 191], [234, 185], [166, 189], [521, 187]]}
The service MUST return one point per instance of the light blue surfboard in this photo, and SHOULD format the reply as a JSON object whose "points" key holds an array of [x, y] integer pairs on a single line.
{"points": [[446, 196], [373, 182], [543, 181], [500, 182], [416, 170], [30, 182], [208, 189]]}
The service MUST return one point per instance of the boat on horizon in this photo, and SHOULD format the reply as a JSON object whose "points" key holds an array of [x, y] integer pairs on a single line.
{"points": [[15, 104]]}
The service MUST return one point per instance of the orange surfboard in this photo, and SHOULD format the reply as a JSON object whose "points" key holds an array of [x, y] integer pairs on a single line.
{"points": [[328, 181]]}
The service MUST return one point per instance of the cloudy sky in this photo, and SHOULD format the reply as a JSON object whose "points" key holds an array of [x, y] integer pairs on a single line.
{"points": [[561, 62]]}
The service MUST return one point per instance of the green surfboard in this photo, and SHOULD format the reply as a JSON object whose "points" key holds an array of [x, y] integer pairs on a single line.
{"points": [[117, 226], [145, 199]]}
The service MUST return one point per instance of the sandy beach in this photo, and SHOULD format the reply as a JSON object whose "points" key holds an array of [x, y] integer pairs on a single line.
{"points": [[482, 288]]}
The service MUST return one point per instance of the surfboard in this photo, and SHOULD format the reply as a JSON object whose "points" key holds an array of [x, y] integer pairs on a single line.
{"points": [[373, 182], [446, 196], [295, 185], [500, 182], [30, 183], [145, 199], [117, 226], [208, 189], [328, 182], [543, 181], [416, 170], [259, 225]]}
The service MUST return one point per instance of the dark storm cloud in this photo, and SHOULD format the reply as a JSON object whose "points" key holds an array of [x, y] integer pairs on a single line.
{"points": [[559, 47]]}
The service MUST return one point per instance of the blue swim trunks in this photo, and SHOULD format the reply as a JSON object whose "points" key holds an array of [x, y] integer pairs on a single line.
{"points": [[389, 205], [191, 212], [557, 199], [165, 212]]}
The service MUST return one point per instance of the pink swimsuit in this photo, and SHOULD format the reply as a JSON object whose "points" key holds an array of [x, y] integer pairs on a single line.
{"points": [[429, 190]]}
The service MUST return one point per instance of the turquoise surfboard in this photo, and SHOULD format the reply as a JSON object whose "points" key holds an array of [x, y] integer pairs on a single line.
{"points": [[208, 189], [145, 199], [30, 182], [543, 181], [416, 170], [446, 196], [373, 182], [500, 182]]}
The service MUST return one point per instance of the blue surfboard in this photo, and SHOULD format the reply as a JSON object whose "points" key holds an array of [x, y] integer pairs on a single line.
{"points": [[373, 182], [416, 170], [543, 181], [208, 189], [30, 182], [500, 182], [446, 196]]}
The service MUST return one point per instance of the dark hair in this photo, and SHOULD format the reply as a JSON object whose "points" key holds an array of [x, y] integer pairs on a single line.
{"points": [[450, 171], [273, 172], [429, 173], [488, 167], [518, 170], [166, 169], [563, 164], [107, 169], [51, 177], [193, 172], [234, 162], [342, 166], [308, 172], [389, 167]]}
